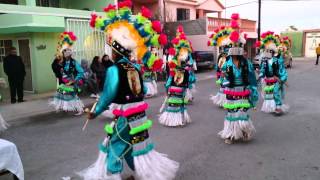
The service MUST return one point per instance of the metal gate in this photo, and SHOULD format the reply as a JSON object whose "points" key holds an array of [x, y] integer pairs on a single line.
{"points": [[90, 42]]}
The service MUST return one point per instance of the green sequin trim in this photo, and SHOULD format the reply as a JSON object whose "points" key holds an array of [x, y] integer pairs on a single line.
{"points": [[143, 127], [108, 128], [236, 106], [177, 101], [268, 88], [176, 110], [218, 82], [241, 118], [144, 151], [65, 88]]}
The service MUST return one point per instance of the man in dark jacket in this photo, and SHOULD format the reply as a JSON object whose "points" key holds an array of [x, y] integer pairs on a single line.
{"points": [[14, 68]]}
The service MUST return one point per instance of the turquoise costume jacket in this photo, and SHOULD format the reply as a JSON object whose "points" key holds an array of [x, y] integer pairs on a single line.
{"points": [[267, 69], [238, 81]]}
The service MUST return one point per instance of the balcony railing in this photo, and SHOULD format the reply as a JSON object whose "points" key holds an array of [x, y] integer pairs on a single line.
{"points": [[246, 25]]}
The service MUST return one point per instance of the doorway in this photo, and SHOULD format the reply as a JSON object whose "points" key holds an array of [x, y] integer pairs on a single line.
{"points": [[24, 53]]}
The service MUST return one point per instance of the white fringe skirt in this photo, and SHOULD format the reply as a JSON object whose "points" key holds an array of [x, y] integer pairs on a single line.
{"points": [[220, 98], [148, 163], [235, 129], [174, 119], [152, 88], [3, 124], [66, 103]]}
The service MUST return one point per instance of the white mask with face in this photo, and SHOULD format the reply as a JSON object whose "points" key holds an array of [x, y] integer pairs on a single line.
{"points": [[67, 53], [266, 54]]}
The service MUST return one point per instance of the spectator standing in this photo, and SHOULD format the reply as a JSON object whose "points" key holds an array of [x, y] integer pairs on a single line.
{"points": [[15, 70], [318, 53], [99, 71]]}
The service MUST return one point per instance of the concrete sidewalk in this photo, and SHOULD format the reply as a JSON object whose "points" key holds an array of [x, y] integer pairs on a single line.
{"points": [[38, 104], [32, 108]]}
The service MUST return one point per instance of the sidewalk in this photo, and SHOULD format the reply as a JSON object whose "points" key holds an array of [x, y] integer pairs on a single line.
{"points": [[33, 108], [38, 104]]}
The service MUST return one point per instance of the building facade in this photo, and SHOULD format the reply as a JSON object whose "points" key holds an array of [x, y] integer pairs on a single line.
{"points": [[180, 10], [311, 40], [33, 27]]}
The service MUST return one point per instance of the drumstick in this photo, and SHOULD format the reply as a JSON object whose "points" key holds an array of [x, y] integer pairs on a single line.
{"points": [[87, 111]]}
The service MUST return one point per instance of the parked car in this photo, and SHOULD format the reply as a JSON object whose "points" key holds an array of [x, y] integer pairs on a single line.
{"points": [[204, 59]]}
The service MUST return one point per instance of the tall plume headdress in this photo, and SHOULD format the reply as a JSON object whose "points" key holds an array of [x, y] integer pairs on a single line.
{"points": [[130, 34]]}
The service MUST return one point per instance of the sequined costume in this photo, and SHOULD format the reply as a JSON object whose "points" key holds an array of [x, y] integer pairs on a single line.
{"points": [[70, 78], [220, 38], [128, 139], [190, 67], [174, 111], [273, 75], [240, 88], [241, 94]]}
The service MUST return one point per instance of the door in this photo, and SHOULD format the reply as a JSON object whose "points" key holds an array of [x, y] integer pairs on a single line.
{"points": [[24, 53], [312, 41]]}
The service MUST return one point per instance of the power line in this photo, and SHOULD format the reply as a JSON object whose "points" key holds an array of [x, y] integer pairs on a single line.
{"points": [[242, 4]]}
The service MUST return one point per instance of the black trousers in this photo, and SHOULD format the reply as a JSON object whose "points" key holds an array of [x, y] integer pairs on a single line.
{"points": [[318, 55], [16, 89]]}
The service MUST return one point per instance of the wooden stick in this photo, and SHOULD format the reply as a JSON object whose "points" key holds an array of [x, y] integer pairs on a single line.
{"points": [[87, 111]]}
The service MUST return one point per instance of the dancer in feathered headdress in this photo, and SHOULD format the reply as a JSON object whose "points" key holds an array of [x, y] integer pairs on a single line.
{"points": [[69, 76], [149, 79], [220, 39], [240, 88], [174, 110], [3, 124], [129, 35], [272, 74]]}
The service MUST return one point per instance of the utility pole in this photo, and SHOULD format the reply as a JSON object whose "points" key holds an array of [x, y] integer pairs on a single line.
{"points": [[259, 19]]}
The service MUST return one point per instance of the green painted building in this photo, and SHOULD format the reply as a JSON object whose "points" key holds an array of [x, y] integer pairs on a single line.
{"points": [[297, 42], [33, 27]]}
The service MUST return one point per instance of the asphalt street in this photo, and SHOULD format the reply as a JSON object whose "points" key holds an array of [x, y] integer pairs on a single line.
{"points": [[284, 148]]}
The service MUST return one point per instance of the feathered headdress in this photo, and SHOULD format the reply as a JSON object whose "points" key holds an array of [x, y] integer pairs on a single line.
{"points": [[131, 34], [180, 41], [237, 37], [180, 44], [66, 40], [230, 36], [269, 41], [220, 37], [286, 41], [285, 45]]}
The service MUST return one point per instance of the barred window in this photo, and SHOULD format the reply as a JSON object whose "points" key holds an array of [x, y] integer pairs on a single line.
{"points": [[8, 1], [183, 14], [5, 46], [90, 42], [48, 3]]}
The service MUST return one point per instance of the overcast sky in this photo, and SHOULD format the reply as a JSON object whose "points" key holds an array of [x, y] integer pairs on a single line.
{"points": [[278, 15]]}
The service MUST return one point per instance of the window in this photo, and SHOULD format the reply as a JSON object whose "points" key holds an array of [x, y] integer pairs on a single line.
{"points": [[90, 42], [183, 14], [48, 3], [9, 2], [5, 45]]}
